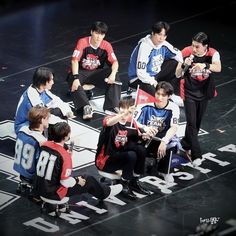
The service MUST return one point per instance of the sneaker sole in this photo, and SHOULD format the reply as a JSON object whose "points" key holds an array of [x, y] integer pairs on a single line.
{"points": [[87, 117]]}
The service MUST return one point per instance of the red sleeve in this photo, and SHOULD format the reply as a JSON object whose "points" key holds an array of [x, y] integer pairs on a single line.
{"points": [[186, 52], [78, 51], [111, 55], [66, 166], [211, 52]]}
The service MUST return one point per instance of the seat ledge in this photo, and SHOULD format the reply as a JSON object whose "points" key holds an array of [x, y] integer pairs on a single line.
{"points": [[51, 201]]}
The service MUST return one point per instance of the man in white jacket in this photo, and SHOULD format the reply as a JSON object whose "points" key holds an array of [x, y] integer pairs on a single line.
{"points": [[154, 60], [39, 93]]}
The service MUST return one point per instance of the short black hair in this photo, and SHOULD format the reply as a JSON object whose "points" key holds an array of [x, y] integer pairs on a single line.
{"points": [[202, 38], [99, 27], [166, 86], [158, 26], [41, 76], [59, 131]]}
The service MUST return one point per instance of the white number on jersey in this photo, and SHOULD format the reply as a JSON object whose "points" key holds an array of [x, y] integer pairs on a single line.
{"points": [[24, 154], [46, 160]]}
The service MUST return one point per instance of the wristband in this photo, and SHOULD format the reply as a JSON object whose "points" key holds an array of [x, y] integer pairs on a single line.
{"points": [[76, 76]]}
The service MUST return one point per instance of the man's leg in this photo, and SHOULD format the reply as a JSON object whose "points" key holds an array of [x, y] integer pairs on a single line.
{"points": [[80, 98], [92, 186], [167, 73], [112, 91], [124, 161], [191, 131], [145, 87]]}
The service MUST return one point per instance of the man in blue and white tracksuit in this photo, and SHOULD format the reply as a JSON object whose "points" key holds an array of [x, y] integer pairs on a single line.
{"points": [[39, 93], [154, 60]]}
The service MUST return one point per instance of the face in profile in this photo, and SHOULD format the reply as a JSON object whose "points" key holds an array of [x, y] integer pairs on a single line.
{"points": [[198, 48], [158, 38], [45, 121], [49, 83]]}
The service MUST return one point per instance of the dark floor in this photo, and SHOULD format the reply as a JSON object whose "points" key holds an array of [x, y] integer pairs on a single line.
{"points": [[45, 33]]}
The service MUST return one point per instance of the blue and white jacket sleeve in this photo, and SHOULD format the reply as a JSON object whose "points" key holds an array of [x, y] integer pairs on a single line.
{"points": [[142, 62]]}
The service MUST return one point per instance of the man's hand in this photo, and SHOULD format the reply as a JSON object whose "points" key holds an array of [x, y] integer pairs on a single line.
{"points": [[111, 78], [81, 180], [155, 84], [161, 152], [145, 136], [75, 85], [151, 131], [199, 66]]}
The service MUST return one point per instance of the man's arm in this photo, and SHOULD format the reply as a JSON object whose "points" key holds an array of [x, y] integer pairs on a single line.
{"points": [[170, 134], [161, 152], [75, 67], [114, 70], [75, 72], [215, 66], [179, 70]]}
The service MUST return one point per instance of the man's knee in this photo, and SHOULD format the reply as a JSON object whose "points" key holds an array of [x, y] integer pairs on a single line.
{"points": [[132, 157]]}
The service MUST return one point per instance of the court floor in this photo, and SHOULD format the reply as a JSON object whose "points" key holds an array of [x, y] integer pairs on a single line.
{"points": [[45, 34]]}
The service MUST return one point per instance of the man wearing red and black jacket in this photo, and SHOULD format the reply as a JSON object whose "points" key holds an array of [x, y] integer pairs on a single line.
{"points": [[94, 63], [197, 87], [118, 149], [54, 169]]}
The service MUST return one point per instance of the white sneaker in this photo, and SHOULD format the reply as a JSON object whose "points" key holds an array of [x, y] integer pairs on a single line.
{"points": [[197, 162], [168, 177], [115, 189], [88, 112], [177, 100]]}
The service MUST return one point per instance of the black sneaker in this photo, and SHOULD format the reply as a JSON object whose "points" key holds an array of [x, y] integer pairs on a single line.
{"points": [[89, 94], [127, 192], [136, 186], [184, 145], [129, 91]]}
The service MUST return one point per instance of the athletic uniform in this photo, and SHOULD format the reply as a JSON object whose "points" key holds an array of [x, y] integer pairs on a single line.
{"points": [[118, 150], [94, 66], [197, 87], [161, 119], [27, 151], [32, 97], [54, 180], [146, 64]]}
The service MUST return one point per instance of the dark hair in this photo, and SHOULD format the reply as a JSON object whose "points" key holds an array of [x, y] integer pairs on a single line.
{"points": [[41, 76], [202, 38], [126, 102], [166, 86], [59, 131], [99, 27], [158, 26], [35, 116]]}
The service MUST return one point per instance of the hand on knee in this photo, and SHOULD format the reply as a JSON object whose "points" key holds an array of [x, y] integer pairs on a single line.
{"points": [[75, 85]]}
